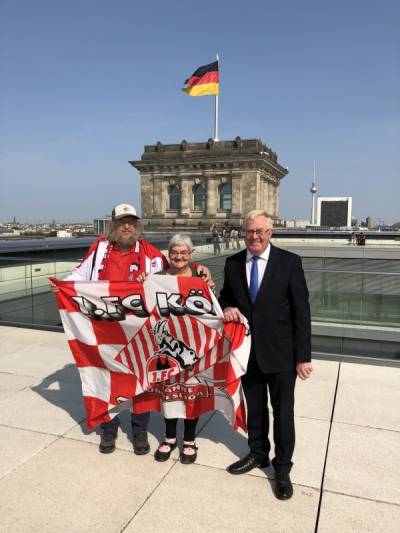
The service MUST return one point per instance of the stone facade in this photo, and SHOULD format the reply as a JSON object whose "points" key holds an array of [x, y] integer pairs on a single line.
{"points": [[198, 184]]}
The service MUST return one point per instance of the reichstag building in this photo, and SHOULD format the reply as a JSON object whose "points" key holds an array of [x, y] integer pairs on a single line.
{"points": [[195, 185]]}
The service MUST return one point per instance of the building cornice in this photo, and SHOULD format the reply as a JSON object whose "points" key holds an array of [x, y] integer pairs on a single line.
{"points": [[197, 158]]}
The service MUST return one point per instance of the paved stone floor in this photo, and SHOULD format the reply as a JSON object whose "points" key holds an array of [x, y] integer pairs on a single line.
{"points": [[52, 477]]}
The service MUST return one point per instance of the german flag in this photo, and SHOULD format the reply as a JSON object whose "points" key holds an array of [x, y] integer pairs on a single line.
{"points": [[204, 81]]}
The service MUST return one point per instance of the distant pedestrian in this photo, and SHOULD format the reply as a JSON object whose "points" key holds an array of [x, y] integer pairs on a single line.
{"points": [[226, 235], [215, 237], [237, 239], [232, 238]]}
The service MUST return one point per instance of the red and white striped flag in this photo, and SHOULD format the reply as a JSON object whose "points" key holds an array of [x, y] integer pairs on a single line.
{"points": [[157, 346]]}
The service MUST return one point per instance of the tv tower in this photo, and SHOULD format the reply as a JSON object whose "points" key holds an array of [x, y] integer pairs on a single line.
{"points": [[313, 192]]}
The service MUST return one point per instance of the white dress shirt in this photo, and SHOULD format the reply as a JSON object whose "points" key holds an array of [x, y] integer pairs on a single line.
{"points": [[261, 265]]}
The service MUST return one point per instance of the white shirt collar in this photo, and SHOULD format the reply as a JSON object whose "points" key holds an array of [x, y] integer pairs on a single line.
{"points": [[263, 256]]}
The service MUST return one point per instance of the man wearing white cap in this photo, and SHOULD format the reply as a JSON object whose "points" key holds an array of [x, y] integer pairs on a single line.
{"points": [[123, 256]]}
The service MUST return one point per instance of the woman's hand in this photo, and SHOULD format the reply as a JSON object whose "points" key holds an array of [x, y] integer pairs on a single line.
{"points": [[203, 272], [141, 277]]}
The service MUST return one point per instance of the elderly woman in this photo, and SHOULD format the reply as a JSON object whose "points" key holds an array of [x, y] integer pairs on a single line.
{"points": [[180, 252]]}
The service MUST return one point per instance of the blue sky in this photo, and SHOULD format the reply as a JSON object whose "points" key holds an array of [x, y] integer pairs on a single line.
{"points": [[86, 84]]}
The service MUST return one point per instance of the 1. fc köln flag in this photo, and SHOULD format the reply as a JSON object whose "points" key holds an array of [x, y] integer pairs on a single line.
{"points": [[157, 346]]}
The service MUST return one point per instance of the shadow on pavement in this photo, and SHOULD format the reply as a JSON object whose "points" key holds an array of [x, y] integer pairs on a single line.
{"points": [[62, 389]]}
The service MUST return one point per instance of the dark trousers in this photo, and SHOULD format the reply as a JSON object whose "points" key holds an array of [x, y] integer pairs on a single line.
{"points": [[280, 386], [139, 423], [189, 431]]}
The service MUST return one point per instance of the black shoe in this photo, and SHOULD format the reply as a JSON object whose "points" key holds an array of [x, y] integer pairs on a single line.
{"points": [[246, 464], [283, 487], [188, 459], [141, 444], [164, 456], [107, 442]]}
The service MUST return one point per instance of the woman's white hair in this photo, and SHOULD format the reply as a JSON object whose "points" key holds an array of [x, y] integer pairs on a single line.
{"points": [[251, 215], [184, 240]]}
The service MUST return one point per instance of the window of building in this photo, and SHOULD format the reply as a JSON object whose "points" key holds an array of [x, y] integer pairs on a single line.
{"points": [[199, 198], [174, 197], [225, 197]]}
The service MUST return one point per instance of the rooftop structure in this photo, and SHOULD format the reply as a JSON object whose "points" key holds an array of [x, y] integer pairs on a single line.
{"points": [[334, 212], [313, 192], [52, 477], [195, 185]]}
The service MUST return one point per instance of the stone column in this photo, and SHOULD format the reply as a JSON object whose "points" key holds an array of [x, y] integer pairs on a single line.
{"points": [[147, 193], [277, 200], [270, 206], [260, 189], [212, 196], [236, 195], [157, 196], [265, 197], [249, 188], [164, 201], [186, 196]]}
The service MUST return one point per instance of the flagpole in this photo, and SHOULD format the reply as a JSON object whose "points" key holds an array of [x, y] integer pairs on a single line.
{"points": [[216, 110]]}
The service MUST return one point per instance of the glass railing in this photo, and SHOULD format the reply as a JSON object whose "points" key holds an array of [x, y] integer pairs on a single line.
{"points": [[340, 298], [363, 298], [25, 296]]}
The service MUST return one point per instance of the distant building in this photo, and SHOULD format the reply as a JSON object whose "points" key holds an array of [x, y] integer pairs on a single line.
{"points": [[196, 185], [100, 225], [334, 212], [369, 223], [296, 223], [64, 233]]}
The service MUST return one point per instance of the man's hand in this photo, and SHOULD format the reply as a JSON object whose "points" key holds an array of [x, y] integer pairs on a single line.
{"points": [[54, 287], [304, 370], [141, 277], [203, 272], [232, 314]]}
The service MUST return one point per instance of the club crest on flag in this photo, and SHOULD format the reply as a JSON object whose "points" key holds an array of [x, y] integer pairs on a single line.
{"points": [[174, 348]]}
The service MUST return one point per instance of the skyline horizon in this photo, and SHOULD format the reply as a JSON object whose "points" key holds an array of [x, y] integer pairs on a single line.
{"points": [[84, 90]]}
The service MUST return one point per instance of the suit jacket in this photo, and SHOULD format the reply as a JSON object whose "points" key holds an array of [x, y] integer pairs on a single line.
{"points": [[279, 319]]}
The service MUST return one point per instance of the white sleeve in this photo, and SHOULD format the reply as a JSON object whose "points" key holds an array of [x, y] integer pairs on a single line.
{"points": [[154, 265], [83, 272]]}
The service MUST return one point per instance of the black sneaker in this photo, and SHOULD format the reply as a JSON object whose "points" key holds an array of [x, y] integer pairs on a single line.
{"points": [[107, 442], [141, 444]]}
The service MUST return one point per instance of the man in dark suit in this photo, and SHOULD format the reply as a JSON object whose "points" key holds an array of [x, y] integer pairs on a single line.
{"points": [[266, 285]]}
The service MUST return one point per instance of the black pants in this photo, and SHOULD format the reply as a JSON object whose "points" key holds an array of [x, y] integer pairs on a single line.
{"points": [[189, 428], [280, 385], [139, 423]]}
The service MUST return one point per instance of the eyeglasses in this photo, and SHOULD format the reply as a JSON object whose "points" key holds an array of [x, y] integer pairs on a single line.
{"points": [[177, 254], [126, 221], [259, 232]]}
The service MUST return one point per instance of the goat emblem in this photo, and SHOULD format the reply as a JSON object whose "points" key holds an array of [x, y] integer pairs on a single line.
{"points": [[170, 346]]}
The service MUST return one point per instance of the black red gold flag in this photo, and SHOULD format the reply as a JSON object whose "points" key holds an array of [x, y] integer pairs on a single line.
{"points": [[204, 81]]}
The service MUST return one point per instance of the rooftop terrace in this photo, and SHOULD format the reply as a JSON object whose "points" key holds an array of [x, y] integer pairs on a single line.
{"points": [[52, 477]]}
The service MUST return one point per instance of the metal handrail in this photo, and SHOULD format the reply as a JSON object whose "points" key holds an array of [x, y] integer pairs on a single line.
{"points": [[74, 259], [352, 271]]}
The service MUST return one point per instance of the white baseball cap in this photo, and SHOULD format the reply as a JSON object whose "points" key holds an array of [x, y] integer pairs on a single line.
{"points": [[123, 210]]}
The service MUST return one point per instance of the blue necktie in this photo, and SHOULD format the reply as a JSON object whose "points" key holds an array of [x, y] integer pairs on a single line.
{"points": [[254, 279]]}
